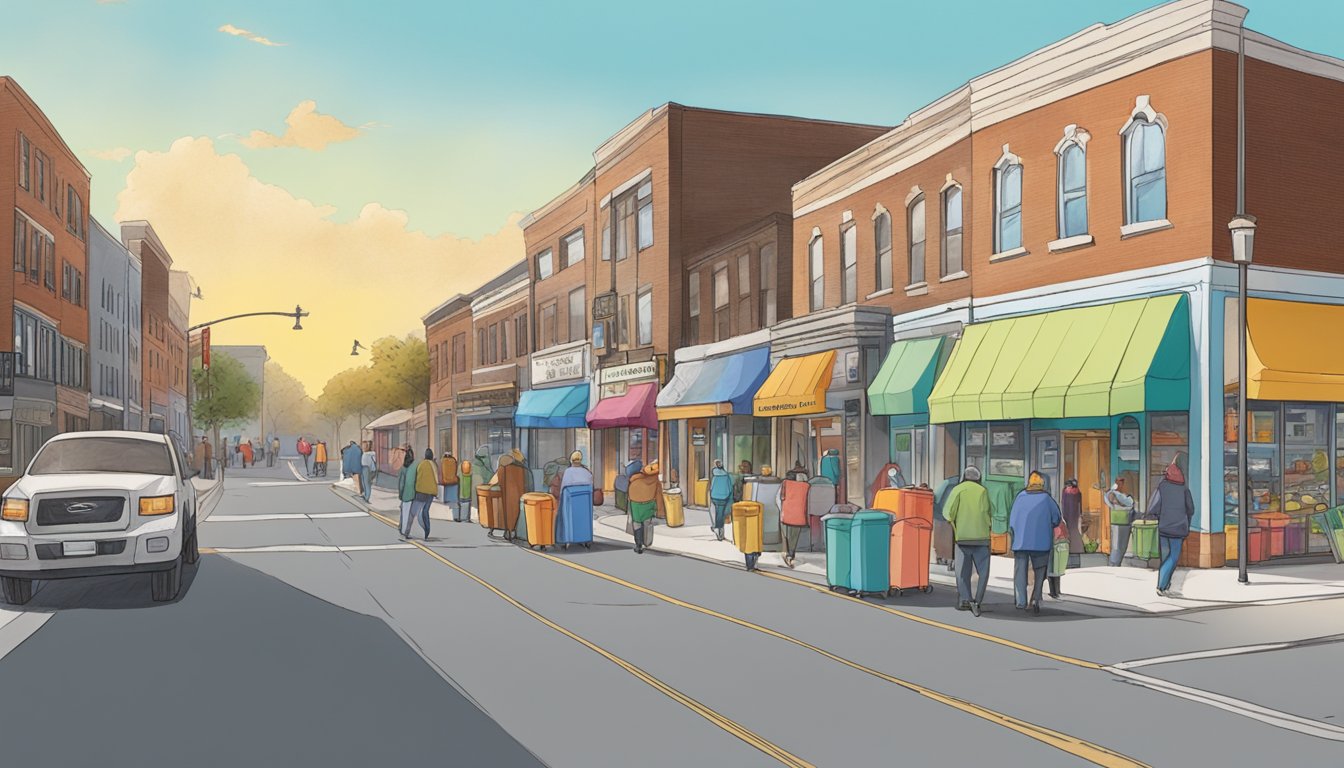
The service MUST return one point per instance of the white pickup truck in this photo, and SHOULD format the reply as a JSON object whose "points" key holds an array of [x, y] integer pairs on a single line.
{"points": [[96, 504]]}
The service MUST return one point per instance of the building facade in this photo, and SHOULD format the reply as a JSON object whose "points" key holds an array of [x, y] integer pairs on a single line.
{"points": [[448, 335], [483, 412], [114, 282]]}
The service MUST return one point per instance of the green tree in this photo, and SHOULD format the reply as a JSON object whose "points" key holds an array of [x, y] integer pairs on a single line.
{"points": [[225, 394], [400, 369], [289, 409]]}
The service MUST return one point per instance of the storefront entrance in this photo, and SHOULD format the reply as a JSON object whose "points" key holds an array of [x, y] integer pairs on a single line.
{"points": [[1087, 459]]}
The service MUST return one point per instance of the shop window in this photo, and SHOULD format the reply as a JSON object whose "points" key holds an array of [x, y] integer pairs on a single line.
{"points": [[882, 247], [1071, 156], [1307, 469], [750, 439], [951, 251], [1007, 450], [1145, 145], [1169, 441]]}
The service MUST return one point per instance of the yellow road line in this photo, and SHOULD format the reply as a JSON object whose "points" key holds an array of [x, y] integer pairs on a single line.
{"points": [[940, 625], [736, 729], [1079, 748]]}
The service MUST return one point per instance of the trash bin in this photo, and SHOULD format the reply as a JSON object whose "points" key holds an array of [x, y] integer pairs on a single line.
{"points": [[837, 551], [490, 508], [870, 554], [910, 540], [574, 521], [906, 502], [765, 489], [676, 516], [701, 496], [1144, 536], [539, 510], [747, 527]]}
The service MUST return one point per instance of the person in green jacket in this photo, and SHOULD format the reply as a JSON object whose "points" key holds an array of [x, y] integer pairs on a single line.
{"points": [[967, 509], [406, 489]]}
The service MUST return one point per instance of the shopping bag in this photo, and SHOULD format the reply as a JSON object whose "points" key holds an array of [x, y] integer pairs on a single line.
{"points": [[1059, 557], [998, 543], [1145, 539]]}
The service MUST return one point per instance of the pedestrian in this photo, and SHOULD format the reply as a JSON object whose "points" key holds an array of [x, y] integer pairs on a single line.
{"points": [[198, 457], [448, 480], [576, 474], [350, 460], [1059, 557], [426, 488], [209, 458], [1071, 507], [245, 449], [720, 496], [274, 452], [305, 450], [1173, 506], [646, 503], [799, 472], [320, 458], [792, 514], [1031, 526], [368, 470], [1122, 509], [830, 467], [739, 482], [406, 492], [967, 509], [465, 489], [511, 478], [259, 450]]}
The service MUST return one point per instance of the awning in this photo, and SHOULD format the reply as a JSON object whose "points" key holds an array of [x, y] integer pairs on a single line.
{"points": [[715, 386], [903, 384], [1126, 357], [798, 385], [389, 420], [1288, 352], [633, 409], [553, 408]]}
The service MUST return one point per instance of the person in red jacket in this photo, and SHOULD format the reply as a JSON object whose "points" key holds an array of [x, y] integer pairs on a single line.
{"points": [[305, 450]]}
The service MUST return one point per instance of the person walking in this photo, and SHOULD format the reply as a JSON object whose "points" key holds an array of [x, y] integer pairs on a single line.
{"points": [[1122, 512], [368, 470], [426, 488], [792, 515], [720, 496], [1031, 526], [1071, 507], [350, 459], [274, 452], [209, 451], [465, 491], [646, 503], [1173, 506], [406, 492], [259, 450], [320, 458], [967, 509], [198, 457], [305, 450], [245, 448], [448, 481]]}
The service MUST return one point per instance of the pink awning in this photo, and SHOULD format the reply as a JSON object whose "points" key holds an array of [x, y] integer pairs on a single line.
{"points": [[636, 408]]}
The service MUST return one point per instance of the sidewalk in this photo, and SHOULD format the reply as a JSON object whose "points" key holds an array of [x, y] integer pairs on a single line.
{"points": [[386, 501], [1128, 588]]}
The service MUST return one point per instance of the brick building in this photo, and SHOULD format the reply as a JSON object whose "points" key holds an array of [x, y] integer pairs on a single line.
{"points": [[159, 339], [448, 336]]}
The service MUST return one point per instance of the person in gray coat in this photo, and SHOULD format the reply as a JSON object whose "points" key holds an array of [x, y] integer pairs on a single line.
{"points": [[1174, 507]]}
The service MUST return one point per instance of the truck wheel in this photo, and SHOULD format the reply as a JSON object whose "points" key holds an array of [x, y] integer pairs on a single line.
{"points": [[191, 553], [17, 591], [164, 585]]}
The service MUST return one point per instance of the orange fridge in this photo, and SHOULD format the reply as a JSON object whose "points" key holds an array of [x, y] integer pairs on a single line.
{"points": [[910, 540], [540, 511]]}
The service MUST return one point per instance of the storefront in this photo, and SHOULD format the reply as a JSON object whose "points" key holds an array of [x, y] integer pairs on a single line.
{"points": [[1085, 393], [624, 420], [707, 410], [485, 421], [900, 392], [553, 423], [816, 395], [389, 437]]}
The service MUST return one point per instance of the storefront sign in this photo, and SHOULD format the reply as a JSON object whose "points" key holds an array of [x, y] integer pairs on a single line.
{"points": [[618, 373], [852, 366], [503, 397], [562, 366], [802, 404]]}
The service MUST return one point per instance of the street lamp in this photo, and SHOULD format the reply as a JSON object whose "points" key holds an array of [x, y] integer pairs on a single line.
{"points": [[1243, 251]]}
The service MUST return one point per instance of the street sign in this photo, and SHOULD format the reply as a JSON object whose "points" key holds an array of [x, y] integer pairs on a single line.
{"points": [[205, 348]]}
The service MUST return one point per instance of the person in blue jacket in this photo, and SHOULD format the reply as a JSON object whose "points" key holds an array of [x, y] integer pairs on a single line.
{"points": [[1031, 525], [720, 495], [829, 467]]}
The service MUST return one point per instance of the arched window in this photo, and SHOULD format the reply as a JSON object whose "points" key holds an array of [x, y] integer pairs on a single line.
{"points": [[951, 251], [916, 230], [816, 271], [882, 247], [1145, 144], [1007, 202], [1071, 152], [849, 263]]}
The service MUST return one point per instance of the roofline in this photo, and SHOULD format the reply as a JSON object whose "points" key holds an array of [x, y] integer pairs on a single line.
{"points": [[443, 312], [160, 249], [9, 83], [558, 200]]}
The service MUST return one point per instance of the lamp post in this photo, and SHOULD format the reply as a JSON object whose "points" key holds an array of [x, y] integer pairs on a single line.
{"points": [[1243, 250]]}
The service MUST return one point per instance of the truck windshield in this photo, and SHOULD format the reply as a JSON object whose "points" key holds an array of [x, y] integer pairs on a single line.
{"points": [[102, 454]]}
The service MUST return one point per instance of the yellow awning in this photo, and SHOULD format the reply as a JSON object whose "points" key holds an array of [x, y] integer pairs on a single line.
{"points": [[797, 385], [1289, 355], [698, 411]]}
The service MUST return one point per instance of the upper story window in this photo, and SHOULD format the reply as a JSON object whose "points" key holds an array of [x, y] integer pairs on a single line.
{"points": [[1071, 154], [74, 212], [1007, 202], [571, 249], [644, 198], [578, 319], [644, 319], [722, 316], [693, 308], [20, 242], [816, 271], [25, 159], [520, 334], [916, 227], [950, 261], [41, 176], [1145, 144], [768, 311], [545, 264], [882, 247], [849, 264], [548, 330]]}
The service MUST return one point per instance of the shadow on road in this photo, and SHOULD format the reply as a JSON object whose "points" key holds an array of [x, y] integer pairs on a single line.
{"points": [[103, 592]]}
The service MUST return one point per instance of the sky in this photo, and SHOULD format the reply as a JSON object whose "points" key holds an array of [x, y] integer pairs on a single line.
{"points": [[370, 159]]}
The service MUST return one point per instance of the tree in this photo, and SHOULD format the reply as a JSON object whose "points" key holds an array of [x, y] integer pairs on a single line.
{"points": [[400, 367], [289, 409], [225, 394]]}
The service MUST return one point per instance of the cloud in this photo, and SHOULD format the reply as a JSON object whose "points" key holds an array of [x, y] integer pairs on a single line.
{"points": [[115, 154], [254, 246], [308, 129], [229, 29]]}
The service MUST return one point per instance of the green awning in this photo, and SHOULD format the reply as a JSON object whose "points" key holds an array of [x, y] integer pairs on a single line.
{"points": [[903, 384], [1125, 357]]}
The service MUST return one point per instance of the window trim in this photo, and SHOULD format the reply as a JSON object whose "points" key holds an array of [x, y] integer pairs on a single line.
{"points": [[1006, 161], [1142, 114], [549, 253], [566, 242]]}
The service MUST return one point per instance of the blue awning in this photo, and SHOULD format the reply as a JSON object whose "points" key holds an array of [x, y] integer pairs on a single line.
{"points": [[554, 408], [715, 386]]}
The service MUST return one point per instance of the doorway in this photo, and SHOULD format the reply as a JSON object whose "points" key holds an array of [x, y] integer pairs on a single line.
{"points": [[1087, 459]]}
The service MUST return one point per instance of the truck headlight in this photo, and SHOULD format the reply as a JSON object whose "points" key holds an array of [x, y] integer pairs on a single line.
{"points": [[156, 505], [15, 510]]}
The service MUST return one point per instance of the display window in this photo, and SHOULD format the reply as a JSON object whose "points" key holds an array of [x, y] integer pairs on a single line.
{"points": [[1168, 442]]}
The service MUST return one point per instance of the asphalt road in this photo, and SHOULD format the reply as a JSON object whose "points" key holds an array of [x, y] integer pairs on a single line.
{"points": [[312, 634]]}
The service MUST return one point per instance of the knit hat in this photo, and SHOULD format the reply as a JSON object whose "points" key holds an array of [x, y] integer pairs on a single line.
{"points": [[1035, 481]]}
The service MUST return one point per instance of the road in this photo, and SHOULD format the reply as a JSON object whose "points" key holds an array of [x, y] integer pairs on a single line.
{"points": [[311, 634]]}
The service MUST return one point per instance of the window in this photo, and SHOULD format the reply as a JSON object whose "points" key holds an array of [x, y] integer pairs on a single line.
{"points": [[625, 321], [951, 256], [37, 241], [882, 247], [481, 338], [545, 267], [644, 309], [25, 152], [74, 212], [578, 320], [492, 345], [1145, 164], [606, 234], [503, 340], [816, 272], [849, 264], [722, 318], [1007, 203], [624, 229], [548, 330], [768, 304], [744, 274], [693, 305], [49, 265], [520, 335], [460, 353], [571, 249], [645, 202], [41, 177], [916, 229], [20, 242], [67, 281]]}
